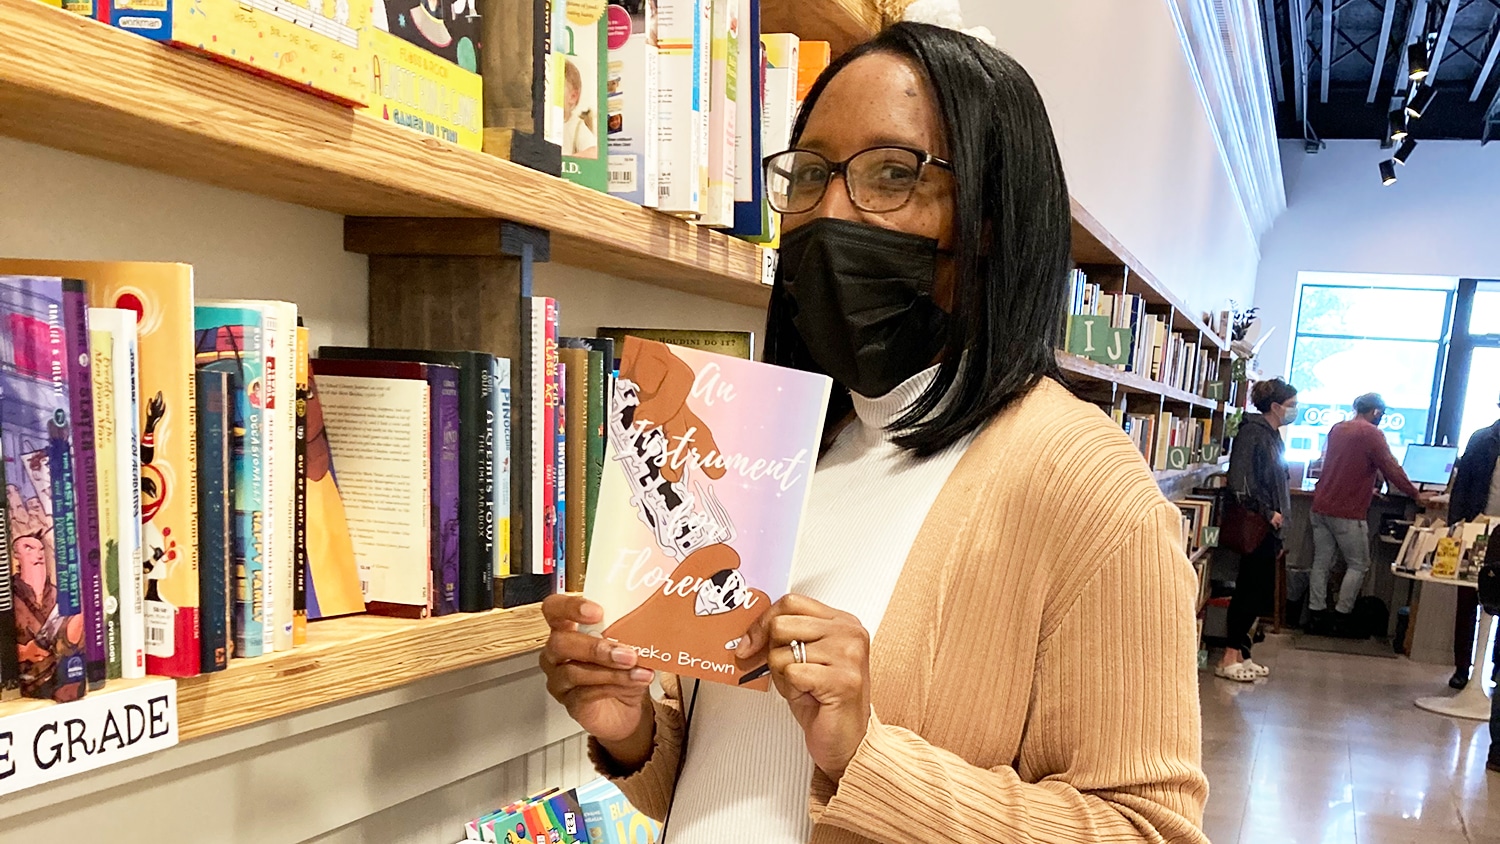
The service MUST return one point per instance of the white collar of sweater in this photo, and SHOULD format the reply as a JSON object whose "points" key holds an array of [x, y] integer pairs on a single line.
{"points": [[877, 414]]}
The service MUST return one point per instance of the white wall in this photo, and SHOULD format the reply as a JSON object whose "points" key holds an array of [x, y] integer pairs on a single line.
{"points": [[1442, 218], [1137, 142]]}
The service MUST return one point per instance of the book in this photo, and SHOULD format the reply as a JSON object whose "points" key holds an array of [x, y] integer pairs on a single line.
{"points": [[739, 344], [813, 57], [217, 392], [106, 497], [299, 540], [116, 389], [574, 357], [750, 209], [548, 424], [231, 337], [478, 503], [585, 56], [700, 493], [778, 115], [161, 295], [560, 459], [380, 433], [333, 583], [598, 384], [611, 819], [532, 435], [718, 181], [424, 69], [631, 101], [555, 13], [684, 29], [10, 659], [85, 480], [46, 584], [502, 461]]}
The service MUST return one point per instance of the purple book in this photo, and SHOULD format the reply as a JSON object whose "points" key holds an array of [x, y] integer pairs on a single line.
{"points": [[86, 479]]}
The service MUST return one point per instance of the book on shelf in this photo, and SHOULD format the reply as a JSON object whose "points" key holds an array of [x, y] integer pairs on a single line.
{"points": [[560, 470], [582, 48], [631, 96], [779, 113], [750, 209], [596, 813], [724, 493], [738, 344], [47, 581], [379, 383], [10, 656], [424, 69], [217, 395], [547, 424], [501, 458], [684, 29], [116, 429], [574, 357], [299, 545], [722, 93], [85, 481], [106, 447], [813, 57], [333, 583]]}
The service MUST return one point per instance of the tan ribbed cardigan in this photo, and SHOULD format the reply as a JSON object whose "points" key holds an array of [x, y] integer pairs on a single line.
{"points": [[1035, 675]]}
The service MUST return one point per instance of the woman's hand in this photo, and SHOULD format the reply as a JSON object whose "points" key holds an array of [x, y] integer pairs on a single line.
{"points": [[1276, 520], [597, 680], [830, 693]]}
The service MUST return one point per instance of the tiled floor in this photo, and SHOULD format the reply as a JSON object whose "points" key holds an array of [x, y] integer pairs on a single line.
{"points": [[1330, 750]]}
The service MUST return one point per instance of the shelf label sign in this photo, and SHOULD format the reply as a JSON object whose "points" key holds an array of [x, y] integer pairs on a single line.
{"points": [[1094, 338], [1215, 390], [56, 741], [1178, 457]]}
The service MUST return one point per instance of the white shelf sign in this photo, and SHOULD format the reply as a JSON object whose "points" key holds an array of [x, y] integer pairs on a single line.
{"points": [[54, 742]]}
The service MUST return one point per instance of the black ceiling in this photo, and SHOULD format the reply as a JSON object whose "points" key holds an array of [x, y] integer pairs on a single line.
{"points": [[1348, 96]]}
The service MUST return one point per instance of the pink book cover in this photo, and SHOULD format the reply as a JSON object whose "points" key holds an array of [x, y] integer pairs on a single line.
{"points": [[708, 464]]}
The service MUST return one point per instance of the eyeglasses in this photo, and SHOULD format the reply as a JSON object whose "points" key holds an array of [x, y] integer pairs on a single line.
{"points": [[879, 180]]}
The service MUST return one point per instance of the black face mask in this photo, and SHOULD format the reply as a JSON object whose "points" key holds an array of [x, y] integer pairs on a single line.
{"points": [[863, 301]]}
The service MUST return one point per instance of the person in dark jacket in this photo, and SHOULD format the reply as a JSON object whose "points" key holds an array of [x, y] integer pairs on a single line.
{"points": [[1258, 480], [1476, 492]]}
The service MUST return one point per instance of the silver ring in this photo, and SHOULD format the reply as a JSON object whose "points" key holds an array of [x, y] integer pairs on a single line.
{"points": [[799, 652]]}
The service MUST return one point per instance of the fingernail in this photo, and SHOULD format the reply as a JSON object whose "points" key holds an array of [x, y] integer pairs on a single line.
{"points": [[623, 656], [642, 675], [591, 612]]}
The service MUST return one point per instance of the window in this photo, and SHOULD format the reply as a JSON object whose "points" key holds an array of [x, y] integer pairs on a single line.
{"points": [[1355, 340]]}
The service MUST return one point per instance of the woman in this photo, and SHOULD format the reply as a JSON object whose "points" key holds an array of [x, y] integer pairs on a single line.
{"points": [[991, 633], [1258, 480]]}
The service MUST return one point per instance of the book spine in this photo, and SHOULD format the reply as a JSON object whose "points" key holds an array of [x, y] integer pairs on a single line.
{"points": [[271, 503], [478, 422], [529, 473], [443, 460], [503, 545], [703, 33], [215, 534], [106, 446], [10, 662], [69, 679], [299, 559], [595, 435], [251, 501], [285, 475], [133, 578], [560, 438], [547, 434], [86, 481]]}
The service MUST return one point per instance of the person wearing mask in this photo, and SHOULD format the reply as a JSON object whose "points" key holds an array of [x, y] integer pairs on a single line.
{"points": [[1258, 480], [1354, 458], [1476, 492], [976, 536]]}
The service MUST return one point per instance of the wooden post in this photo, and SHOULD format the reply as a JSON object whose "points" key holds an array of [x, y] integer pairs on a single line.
{"points": [[514, 61], [458, 284]]}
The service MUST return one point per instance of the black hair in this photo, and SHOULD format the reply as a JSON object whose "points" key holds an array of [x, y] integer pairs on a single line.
{"points": [[1267, 393], [1368, 403], [1012, 230]]}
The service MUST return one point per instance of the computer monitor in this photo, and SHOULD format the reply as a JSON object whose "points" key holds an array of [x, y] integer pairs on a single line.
{"points": [[1429, 464]]}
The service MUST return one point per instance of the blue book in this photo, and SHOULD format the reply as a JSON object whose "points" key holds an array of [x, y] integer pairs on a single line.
{"points": [[752, 214], [560, 527], [217, 393]]}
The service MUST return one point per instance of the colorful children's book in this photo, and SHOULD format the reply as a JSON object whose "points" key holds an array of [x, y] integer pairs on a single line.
{"points": [[35, 413], [106, 449], [709, 463], [333, 586], [584, 50], [217, 391], [86, 481], [502, 460], [299, 547], [560, 459], [631, 97], [116, 388]]}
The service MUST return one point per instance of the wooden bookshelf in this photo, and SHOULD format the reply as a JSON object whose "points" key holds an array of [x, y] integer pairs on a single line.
{"points": [[842, 23], [1089, 371], [74, 84]]}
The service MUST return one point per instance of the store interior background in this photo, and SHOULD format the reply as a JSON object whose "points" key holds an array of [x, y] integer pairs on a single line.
{"points": [[1165, 141]]}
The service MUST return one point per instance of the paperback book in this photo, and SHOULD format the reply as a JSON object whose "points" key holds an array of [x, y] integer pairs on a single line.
{"points": [[708, 466]]}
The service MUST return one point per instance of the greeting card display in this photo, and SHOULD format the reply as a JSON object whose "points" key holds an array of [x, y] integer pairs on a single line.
{"points": [[708, 466]]}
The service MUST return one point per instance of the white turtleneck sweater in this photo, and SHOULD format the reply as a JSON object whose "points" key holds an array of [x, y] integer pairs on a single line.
{"points": [[747, 771]]}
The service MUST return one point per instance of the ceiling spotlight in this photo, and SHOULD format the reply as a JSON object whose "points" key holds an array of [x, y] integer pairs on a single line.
{"points": [[1420, 99], [1405, 151], [1416, 61], [1387, 173], [1398, 125]]}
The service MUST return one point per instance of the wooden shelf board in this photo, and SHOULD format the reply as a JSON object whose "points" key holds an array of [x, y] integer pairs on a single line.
{"points": [[1195, 469], [842, 23], [74, 84], [1129, 381]]}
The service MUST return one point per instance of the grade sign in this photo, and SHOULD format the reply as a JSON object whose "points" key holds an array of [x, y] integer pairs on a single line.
{"points": [[53, 742]]}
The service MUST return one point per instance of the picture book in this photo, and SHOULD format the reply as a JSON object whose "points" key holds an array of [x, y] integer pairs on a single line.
{"points": [[708, 466], [448, 29], [684, 29], [85, 481], [422, 60], [106, 448], [333, 581], [611, 819], [216, 397], [46, 581], [631, 101], [718, 182], [230, 338], [552, 77], [118, 388], [583, 47]]}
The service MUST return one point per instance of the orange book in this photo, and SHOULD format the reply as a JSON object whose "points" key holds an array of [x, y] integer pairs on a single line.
{"points": [[813, 57]]}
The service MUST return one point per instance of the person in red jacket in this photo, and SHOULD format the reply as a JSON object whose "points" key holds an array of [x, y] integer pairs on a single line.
{"points": [[1356, 454]]}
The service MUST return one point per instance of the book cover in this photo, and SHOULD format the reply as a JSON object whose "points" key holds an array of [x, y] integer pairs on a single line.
{"points": [[299, 543], [575, 358], [584, 50], [10, 659], [231, 338], [217, 391], [560, 441], [631, 101], [86, 481], [750, 209], [106, 449], [684, 29], [739, 344], [46, 582], [502, 461], [161, 295], [701, 498], [778, 115], [380, 430], [478, 502], [718, 181], [813, 57], [448, 30], [333, 582], [125, 512]]}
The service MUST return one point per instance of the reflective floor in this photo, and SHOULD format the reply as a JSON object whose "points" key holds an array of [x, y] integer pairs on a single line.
{"points": [[1331, 750]]}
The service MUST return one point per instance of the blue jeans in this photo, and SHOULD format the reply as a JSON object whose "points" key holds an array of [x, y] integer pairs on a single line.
{"points": [[1332, 535]]}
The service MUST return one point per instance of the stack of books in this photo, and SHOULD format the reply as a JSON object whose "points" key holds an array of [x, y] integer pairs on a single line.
{"points": [[596, 813]]}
